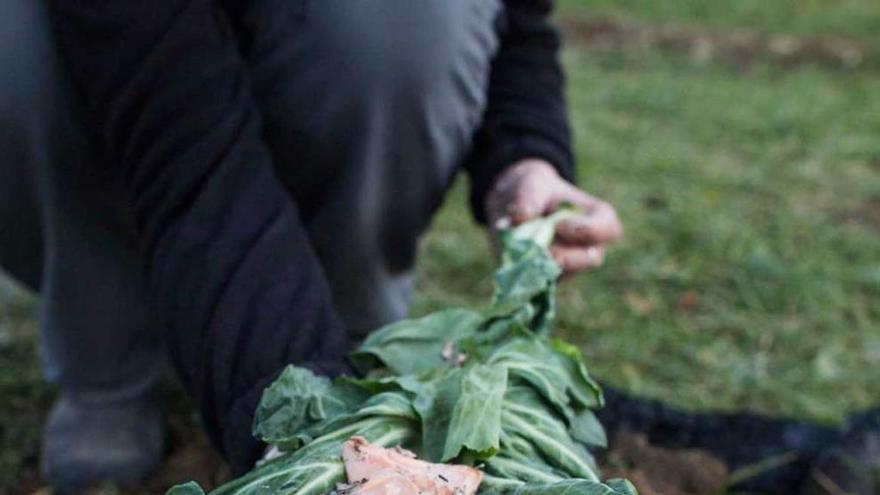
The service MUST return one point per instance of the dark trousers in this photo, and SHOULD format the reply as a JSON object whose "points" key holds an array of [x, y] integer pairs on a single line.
{"points": [[372, 104]]}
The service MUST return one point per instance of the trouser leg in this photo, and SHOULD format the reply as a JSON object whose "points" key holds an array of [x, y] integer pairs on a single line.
{"points": [[21, 243], [96, 329], [369, 109]]}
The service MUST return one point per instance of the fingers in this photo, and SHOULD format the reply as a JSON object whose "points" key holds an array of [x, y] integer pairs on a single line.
{"points": [[569, 193], [532, 189], [539, 198], [580, 241], [598, 227], [576, 259]]}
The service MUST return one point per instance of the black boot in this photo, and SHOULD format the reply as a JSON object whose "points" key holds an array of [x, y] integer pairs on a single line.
{"points": [[89, 442]]}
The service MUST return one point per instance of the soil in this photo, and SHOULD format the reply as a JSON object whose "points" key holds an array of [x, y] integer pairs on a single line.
{"points": [[659, 471], [867, 215], [742, 47], [654, 470], [193, 459]]}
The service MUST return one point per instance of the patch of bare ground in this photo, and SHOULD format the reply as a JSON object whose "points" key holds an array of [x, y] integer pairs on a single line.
{"points": [[659, 471], [741, 47], [867, 215], [192, 459], [654, 470]]}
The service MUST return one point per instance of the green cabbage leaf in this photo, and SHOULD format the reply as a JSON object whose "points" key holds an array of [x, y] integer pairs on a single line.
{"points": [[487, 388]]}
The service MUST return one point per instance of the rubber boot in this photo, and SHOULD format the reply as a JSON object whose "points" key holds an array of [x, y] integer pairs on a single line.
{"points": [[87, 442]]}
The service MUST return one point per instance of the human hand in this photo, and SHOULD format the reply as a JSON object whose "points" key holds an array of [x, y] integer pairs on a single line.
{"points": [[532, 188]]}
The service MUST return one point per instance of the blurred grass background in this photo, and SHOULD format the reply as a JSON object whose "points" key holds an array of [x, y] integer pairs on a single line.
{"points": [[858, 19], [750, 274]]}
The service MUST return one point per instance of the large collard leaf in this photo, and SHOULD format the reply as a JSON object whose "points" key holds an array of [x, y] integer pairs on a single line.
{"points": [[385, 419], [529, 361], [475, 425], [524, 278], [525, 285], [621, 486], [460, 411], [502, 468], [316, 468], [416, 346], [434, 403], [384, 406], [191, 488], [309, 471], [539, 232], [586, 429], [525, 290], [526, 420], [297, 400], [567, 487], [552, 371], [587, 392], [486, 388]]}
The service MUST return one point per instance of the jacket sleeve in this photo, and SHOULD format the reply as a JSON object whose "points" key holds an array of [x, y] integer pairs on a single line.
{"points": [[526, 116], [234, 280]]}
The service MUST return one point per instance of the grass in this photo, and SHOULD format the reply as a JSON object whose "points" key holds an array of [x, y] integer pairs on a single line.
{"points": [[734, 189], [852, 18], [23, 397], [750, 274]]}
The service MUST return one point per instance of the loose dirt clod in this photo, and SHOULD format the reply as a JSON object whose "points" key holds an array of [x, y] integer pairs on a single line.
{"points": [[659, 471]]}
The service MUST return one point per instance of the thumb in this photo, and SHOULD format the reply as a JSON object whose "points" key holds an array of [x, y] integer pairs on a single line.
{"points": [[529, 203], [522, 210]]}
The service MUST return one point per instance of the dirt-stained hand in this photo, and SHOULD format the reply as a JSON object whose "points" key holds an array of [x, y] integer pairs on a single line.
{"points": [[532, 188]]}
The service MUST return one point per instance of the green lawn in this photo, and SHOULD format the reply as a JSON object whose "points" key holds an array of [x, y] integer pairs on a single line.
{"points": [[852, 18], [23, 397], [750, 274]]}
